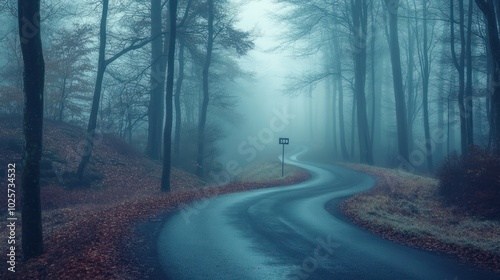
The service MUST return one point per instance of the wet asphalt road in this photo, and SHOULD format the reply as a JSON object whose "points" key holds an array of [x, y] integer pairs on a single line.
{"points": [[286, 233]]}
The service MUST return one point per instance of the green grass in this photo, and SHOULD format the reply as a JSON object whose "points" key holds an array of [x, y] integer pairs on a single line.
{"points": [[266, 171], [410, 205]]}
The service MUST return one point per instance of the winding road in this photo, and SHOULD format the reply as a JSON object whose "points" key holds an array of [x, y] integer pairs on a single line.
{"points": [[286, 233]]}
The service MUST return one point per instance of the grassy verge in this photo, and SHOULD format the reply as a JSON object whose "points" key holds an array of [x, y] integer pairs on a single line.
{"points": [[406, 208], [267, 171]]}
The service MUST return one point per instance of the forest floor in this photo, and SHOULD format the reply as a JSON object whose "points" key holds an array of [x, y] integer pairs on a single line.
{"points": [[407, 209], [89, 230]]}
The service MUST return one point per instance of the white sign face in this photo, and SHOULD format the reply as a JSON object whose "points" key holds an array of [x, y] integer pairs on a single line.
{"points": [[284, 141]]}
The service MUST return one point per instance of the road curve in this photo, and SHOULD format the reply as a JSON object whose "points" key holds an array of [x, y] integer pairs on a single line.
{"points": [[286, 233]]}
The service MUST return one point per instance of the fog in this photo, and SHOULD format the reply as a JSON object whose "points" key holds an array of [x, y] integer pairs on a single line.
{"points": [[265, 104], [231, 139], [365, 87]]}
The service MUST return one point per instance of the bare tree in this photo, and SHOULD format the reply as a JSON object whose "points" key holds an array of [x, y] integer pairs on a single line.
{"points": [[399, 96], [359, 13], [424, 52], [459, 62], [102, 63], [33, 81], [491, 11], [157, 80], [206, 97], [177, 104], [167, 137]]}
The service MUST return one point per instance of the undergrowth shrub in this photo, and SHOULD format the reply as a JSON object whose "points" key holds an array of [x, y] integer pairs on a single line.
{"points": [[472, 182]]}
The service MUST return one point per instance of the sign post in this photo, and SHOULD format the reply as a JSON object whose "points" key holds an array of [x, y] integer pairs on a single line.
{"points": [[283, 141]]}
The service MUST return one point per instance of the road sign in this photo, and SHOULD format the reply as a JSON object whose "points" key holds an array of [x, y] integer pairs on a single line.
{"points": [[284, 141]]}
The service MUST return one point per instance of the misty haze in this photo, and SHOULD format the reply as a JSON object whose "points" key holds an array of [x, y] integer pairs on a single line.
{"points": [[265, 139]]}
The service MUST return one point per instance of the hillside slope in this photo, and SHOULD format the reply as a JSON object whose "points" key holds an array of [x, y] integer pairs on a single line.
{"points": [[89, 228], [116, 170]]}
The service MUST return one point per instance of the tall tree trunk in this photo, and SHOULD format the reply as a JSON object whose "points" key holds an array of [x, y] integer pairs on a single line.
{"points": [[310, 112], [353, 125], [204, 106], [33, 81], [426, 71], [468, 86], [488, 9], [441, 107], [338, 67], [459, 65], [61, 104], [496, 5], [101, 67], [489, 82], [332, 107], [177, 104], [372, 79], [410, 86], [360, 23], [157, 80], [167, 137], [397, 76]]}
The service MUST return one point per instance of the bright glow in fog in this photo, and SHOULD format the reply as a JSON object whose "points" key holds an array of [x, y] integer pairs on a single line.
{"points": [[264, 95]]}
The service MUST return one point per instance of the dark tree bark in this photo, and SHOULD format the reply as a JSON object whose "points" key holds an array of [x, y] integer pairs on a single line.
{"points": [[353, 130], [359, 9], [426, 71], [441, 110], [206, 97], [372, 75], [338, 67], [468, 86], [157, 82], [331, 108], [101, 67], [177, 104], [310, 111], [397, 77], [33, 80], [459, 63], [410, 85], [167, 137], [492, 19]]}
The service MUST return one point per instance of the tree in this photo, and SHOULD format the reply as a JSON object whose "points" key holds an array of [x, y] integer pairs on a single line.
{"points": [[206, 97], [411, 95], [101, 67], [220, 32], [102, 63], [33, 81], [425, 49], [177, 104], [491, 11], [157, 79], [67, 65], [310, 19], [167, 137], [468, 86], [397, 78], [459, 63], [338, 66], [359, 13]]}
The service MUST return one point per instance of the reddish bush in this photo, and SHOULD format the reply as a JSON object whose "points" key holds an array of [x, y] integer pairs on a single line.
{"points": [[472, 182]]}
